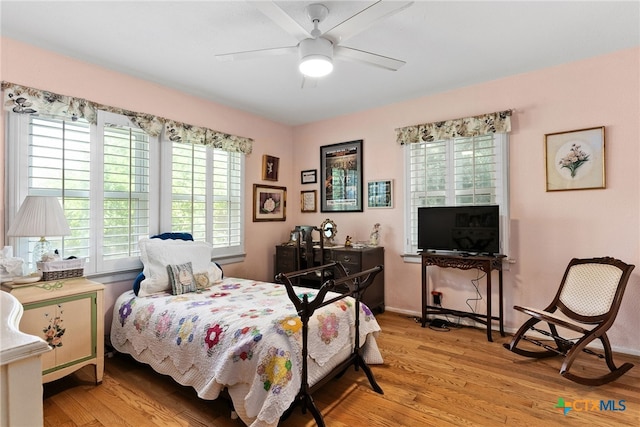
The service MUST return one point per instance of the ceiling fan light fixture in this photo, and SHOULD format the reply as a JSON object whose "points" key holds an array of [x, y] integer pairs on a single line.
{"points": [[316, 57], [316, 66]]}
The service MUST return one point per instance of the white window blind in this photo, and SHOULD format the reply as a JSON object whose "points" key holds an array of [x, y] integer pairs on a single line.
{"points": [[456, 172], [206, 195], [125, 201], [227, 199], [189, 190], [99, 172], [122, 191], [59, 165], [116, 185]]}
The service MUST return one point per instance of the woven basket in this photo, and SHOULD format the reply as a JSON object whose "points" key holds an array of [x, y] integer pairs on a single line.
{"points": [[64, 269], [62, 274]]}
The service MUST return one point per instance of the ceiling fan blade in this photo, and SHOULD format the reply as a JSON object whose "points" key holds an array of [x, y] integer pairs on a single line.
{"points": [[280, 17], [260, 53], [364, 19], [351, 54]]}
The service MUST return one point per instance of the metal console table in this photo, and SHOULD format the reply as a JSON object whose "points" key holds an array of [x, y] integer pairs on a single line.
{"points": [[484, 263]]}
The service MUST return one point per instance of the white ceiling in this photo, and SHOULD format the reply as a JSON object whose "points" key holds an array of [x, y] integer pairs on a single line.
{"points": [[446, 44]]}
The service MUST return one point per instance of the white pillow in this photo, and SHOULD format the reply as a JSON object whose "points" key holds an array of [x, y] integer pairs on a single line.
{"points": [[156, 254]]}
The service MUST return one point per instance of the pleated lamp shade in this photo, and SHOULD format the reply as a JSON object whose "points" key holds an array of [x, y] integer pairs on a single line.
{"points": [[39, 216]]}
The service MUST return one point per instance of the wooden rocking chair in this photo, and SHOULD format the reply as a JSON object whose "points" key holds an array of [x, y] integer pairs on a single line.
{"points": [[587, 302]]}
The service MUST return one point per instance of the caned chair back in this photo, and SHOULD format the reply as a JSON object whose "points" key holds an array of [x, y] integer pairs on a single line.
{"points": [[589, 289]]}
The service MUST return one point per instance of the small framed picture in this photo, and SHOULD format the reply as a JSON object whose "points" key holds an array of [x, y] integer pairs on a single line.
{"points": [[309, 176], [269, 203], [575, 159], [380, 193], [308, 200], [270, 168]]}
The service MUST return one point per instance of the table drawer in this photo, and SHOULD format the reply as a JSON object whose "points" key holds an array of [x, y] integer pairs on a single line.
{"points": [[349, 260], [347, 257]]}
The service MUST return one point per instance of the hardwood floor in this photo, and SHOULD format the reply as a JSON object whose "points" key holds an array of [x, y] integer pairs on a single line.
{"points": [[429, 378]]}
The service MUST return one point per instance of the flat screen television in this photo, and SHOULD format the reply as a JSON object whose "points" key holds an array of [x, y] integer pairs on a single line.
{"points": [[466, 229]]}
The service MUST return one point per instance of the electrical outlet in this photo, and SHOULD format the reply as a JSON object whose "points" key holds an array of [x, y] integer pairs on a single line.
{"points": [[437, 297]]}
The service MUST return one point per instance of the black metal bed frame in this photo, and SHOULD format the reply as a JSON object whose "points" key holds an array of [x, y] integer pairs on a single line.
{"points": [[353, 285]]}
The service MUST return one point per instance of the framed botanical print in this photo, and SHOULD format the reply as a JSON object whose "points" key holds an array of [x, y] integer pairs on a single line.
{"points": [[575, 159], [341, 177], [269, 203]]}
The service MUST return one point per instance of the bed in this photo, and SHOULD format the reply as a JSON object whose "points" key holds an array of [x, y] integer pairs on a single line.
{"points": [[265, 345]]}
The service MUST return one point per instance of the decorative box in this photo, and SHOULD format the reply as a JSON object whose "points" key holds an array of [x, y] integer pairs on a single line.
{"points": [[63, 269]]}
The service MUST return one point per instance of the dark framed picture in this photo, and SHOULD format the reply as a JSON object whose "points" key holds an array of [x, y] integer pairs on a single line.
{"points": [[380, 193], [269, 203], [308, 201], [341, 174], [270, 167], [575, 159], [309, 176]]}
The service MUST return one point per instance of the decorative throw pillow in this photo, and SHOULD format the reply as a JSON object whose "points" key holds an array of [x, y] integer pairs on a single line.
{"points": [[211, 276], [202, 281], [181, 278], [163, 236], [156, 254]]}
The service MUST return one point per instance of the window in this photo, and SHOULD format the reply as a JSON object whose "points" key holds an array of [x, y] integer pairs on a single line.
{"points": [[456, 172], [189, 189], [206, 195], [48, 156], [122, 178], [107, 177]]}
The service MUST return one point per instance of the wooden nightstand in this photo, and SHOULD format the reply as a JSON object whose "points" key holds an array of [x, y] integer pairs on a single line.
{"points": [[68, 315]]}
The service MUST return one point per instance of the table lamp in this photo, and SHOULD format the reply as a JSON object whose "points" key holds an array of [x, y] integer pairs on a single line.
{"points": [[40, 216]]}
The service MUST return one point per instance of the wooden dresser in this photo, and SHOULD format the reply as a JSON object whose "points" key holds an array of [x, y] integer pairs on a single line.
{"points": [[354, 260], [68, 315]]}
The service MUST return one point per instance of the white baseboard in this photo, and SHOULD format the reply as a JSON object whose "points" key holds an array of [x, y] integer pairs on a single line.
{"points": [[470, 322]]}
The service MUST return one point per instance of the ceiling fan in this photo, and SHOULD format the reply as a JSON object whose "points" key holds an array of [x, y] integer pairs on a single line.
{"points": [[315, 49]]}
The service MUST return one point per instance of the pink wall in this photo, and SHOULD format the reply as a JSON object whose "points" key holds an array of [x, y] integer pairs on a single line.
{"points": [[547, 229], [27, 65], [30, 66]]}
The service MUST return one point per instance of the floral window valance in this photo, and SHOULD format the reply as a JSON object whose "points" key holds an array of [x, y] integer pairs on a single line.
{"points": [[497, 122], [26, 100]]}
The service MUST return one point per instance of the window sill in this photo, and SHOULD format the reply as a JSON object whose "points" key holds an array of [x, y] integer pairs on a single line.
{"points": [[130, 275], [412, 258], [115, 276]]}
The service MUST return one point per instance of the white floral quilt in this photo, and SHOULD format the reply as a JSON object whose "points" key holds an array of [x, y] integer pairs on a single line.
{"points": [[240, 332]]}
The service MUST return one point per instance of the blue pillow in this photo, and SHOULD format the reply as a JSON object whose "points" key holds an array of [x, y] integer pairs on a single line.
{"points": [[174, 236], [163, 236], [221, 271], [136, 283]]}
